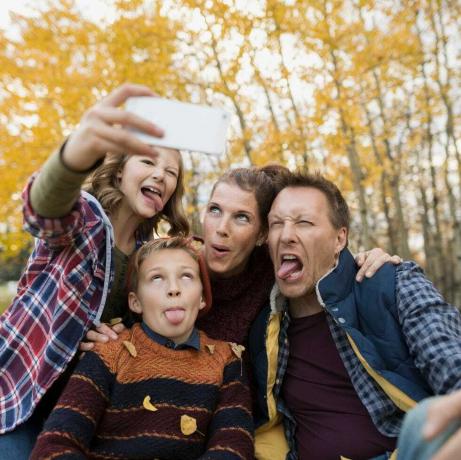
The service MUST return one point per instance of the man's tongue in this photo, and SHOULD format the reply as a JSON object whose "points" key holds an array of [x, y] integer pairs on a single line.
{"points": [[287, 268], [175, 315]]}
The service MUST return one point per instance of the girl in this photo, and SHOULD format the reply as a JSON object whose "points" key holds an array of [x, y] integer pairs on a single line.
{"points": [[75, 276]]}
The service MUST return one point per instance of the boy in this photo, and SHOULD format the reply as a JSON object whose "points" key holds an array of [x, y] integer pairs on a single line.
{"points": [[163, 389]]}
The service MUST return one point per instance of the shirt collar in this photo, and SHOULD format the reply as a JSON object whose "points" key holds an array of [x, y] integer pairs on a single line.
{"points": [[192, 342]]}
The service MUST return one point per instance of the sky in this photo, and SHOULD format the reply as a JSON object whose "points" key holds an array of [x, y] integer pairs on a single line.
{"points": [[92, 8]]}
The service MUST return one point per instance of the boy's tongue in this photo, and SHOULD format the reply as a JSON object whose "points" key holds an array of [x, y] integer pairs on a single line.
{"points": [[175, 315], [287, 268]]}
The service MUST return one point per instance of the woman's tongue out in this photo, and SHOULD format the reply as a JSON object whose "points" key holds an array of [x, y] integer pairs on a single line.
{"points": [[175, 315]]}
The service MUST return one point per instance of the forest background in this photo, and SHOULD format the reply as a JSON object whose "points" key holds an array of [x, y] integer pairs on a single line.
{"points": [[364, 91]]}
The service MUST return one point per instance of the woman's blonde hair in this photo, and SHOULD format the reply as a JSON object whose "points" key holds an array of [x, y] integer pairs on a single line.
{"points": [[103, 183]]}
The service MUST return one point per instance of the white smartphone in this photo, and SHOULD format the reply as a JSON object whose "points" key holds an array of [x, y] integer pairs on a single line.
{"points": [[193, 127]]}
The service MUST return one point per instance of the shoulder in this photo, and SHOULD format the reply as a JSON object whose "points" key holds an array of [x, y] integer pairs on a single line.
{"points": [[225, 351], [413, 286], [111, 351]]}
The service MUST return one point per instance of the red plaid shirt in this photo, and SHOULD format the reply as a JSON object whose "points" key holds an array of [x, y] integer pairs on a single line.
{"points": [[62, 292]]}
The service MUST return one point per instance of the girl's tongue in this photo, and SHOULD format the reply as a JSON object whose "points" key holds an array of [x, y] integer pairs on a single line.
{"points": [[154, 197], [158, 203], [175, 315]]}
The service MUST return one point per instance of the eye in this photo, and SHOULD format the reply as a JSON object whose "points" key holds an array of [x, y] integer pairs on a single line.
{"points": [[187, 276], [304, 222], [213, 209], [172, 173], [155, 278], [148, 162], [275, 223], [242, 217]]}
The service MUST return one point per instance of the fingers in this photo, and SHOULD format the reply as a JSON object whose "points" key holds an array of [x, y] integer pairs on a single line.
{"points": [[86, 346], [123, 92], [441, 412], [106, 331], [360, 258], [450, 449], [373, 260], [395, 259], [112, 116], [117, 328], [101, 334]]}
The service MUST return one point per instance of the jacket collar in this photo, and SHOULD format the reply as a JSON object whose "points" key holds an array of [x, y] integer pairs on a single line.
{"points": [[338, 283]]}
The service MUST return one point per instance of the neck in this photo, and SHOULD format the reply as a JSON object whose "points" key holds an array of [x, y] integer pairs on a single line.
{"points": [[125, 223], [306, 305]]}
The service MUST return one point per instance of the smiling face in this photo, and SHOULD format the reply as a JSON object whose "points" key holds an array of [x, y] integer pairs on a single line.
{"points": [[231, 227], [302, 240], [148, 182], [168, 293]]}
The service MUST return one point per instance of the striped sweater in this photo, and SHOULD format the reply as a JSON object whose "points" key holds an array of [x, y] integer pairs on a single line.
{"points": [[102, 413]]}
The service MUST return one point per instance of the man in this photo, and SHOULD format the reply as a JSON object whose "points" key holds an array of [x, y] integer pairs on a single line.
{"points": [[344, 360]]}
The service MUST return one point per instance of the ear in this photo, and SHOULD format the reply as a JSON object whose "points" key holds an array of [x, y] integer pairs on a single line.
{"points": [[134, 303], [341, 240], [202, 303], [261, 239]]}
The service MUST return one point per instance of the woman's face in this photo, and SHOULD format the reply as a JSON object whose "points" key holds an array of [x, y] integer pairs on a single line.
{"points": [[232, 228], [149, 181]]}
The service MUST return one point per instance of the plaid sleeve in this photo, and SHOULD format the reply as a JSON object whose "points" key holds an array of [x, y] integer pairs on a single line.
{"points": [[231, 428], [432, 328], [71, 426], [57, 232]]}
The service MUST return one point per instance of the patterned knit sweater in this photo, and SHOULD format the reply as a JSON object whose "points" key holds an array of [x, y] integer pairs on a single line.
{"points": [[102, 413]]}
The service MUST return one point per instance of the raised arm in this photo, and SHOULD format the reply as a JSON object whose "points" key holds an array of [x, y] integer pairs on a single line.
{"points": [[68, 432], [432, 328], [231, 428]]}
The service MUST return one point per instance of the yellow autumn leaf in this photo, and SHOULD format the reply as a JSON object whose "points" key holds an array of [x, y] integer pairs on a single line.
{"points": [[188, 425], [115, 321], [131, 348], [148, 405], [237, 349]]}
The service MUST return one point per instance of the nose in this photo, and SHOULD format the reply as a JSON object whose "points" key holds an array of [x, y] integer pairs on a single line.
{"points": [[173, 289], [223, 227], [158, 173], [288, 234]]}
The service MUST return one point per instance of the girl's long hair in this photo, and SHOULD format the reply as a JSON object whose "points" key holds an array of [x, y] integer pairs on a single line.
{"points": [[103, 183]]}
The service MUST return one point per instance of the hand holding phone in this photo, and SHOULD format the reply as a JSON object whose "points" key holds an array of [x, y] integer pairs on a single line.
{"points": [[187, 126]]}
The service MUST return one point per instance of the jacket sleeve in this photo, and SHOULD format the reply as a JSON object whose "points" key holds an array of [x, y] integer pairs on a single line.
{"points": [[432, 328], [230, 434], [71, 426]]}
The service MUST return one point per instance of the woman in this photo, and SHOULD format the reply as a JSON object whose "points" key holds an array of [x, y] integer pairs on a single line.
{"points": [[75, 276]]}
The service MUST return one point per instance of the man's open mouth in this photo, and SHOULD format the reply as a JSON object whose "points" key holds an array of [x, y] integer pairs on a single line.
{"points": [[290, 265]]}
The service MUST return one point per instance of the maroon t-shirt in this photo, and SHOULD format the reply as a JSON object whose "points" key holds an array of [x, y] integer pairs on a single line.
{"points": [[331, 419]]}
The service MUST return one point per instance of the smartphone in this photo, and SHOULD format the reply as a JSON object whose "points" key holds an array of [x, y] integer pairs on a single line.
{"points": [[193, 127]]}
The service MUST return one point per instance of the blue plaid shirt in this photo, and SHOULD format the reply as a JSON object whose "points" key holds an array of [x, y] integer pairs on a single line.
{"points": [[432, 329]]}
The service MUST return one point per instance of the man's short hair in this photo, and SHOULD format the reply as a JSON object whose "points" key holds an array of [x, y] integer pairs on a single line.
{"points": [[339, 210]]}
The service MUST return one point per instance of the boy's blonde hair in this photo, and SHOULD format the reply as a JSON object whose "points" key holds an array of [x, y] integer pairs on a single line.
{"points": [[190, 245]]}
